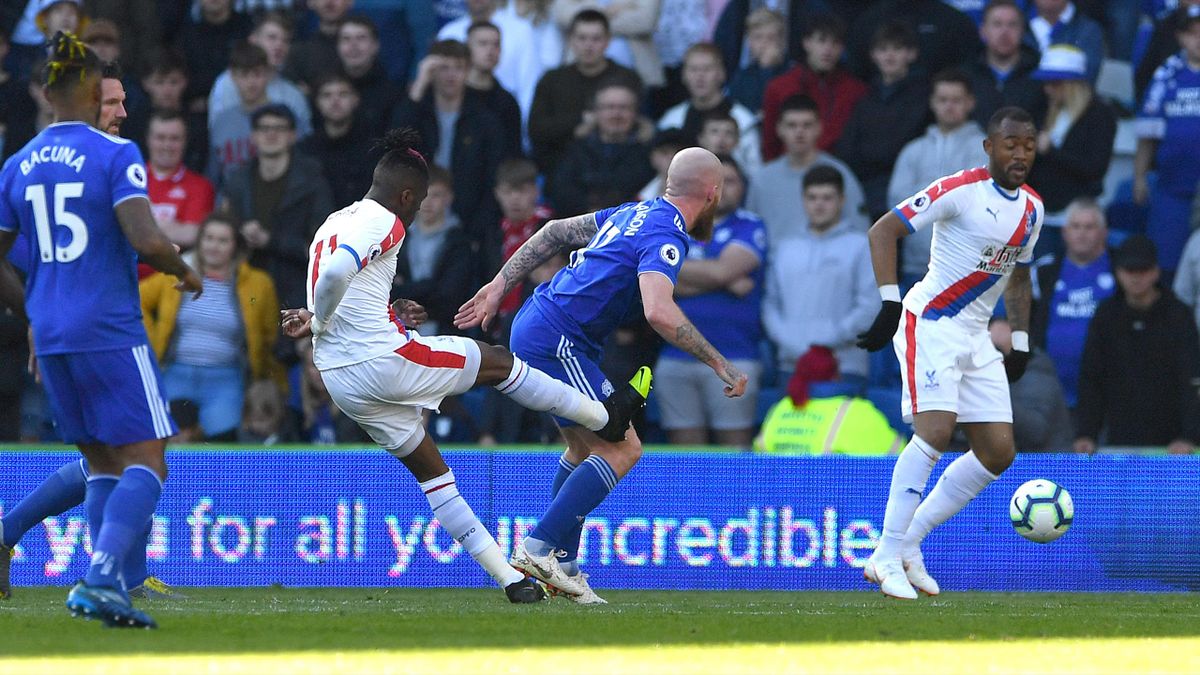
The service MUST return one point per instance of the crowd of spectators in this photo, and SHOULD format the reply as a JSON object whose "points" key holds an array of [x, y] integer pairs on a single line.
{"points": [[257, 119]]}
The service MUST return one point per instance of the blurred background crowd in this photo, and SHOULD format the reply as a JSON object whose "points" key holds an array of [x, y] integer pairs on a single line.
{"points": [[257, 118]]}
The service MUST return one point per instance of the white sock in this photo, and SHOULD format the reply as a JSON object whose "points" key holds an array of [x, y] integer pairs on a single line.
{"points": [[535, 390], [909, 476], [459, 521], [960, 482]]}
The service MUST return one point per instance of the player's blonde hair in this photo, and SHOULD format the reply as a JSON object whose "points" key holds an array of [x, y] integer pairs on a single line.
{"points": [[70, 61]]}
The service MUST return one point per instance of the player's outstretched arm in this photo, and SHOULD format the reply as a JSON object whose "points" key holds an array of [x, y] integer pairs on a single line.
{"points": [[1018, 298], [152, 245], [883, 236], [668, 320], [556, 235]]}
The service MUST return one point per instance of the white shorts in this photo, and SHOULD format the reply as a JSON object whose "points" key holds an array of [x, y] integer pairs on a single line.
{"points": [[943, 366], [691, 396], [386, 394]]}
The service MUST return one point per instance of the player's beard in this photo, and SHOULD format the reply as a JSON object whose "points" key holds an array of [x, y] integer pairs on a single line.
{"points": [[702, 229]]}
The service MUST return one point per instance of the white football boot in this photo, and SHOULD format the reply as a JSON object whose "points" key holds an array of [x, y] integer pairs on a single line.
{"points": [[588, 596], [890, 576], [918, 576], [546, 569]]}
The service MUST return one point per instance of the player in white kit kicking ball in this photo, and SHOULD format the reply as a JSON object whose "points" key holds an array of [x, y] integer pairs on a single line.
{"points": [[985, 223], [383, 375]]}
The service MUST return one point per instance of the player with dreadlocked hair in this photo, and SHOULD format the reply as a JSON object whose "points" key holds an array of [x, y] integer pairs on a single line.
{"points": [[78, 195], [383, 374], [65, 488]]}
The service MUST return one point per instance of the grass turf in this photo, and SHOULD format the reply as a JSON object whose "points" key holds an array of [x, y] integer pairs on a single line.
{"points": [[448, 630]]}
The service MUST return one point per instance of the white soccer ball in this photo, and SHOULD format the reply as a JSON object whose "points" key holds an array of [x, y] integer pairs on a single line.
{"points": [[1041, 511]]}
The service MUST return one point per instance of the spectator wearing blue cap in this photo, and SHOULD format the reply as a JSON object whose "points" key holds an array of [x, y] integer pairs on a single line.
{"points": [[1075, 142], [1168, 130]]}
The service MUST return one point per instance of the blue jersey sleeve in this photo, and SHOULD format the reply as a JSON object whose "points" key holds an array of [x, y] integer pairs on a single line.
{"points": [[662, 252], [604, 214], [127, 174]]}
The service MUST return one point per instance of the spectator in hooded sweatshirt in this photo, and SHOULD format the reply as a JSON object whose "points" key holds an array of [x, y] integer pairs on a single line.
{"points": [[825, 294], [273, 32], [952, 143], [775, 190]]}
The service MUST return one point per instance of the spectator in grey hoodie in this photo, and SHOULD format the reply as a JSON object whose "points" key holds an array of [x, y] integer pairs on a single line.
{"points": [[775, 189], [952, 143], [820, 289]]}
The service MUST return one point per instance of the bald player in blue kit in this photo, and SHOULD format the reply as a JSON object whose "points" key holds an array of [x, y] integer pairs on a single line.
{"points": [[631, 252]]}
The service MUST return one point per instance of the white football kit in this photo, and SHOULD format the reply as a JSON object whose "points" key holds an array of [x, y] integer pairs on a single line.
{"points": [[376, 371], [981, 232]]}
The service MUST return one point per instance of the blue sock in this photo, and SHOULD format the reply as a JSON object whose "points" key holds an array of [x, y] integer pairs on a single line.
{"points": [[99, 488], [581, 493], [125, 515], [60, 491], [565, 467], [134, 570]]}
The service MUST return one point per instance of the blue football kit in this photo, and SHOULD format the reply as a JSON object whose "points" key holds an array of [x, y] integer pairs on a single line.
{"points": [[81, 293], [1171, 115], [561, 327]]}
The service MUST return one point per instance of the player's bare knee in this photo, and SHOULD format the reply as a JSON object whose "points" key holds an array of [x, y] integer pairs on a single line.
{"points": [[996, 459], [495, 364], [937, 436]]}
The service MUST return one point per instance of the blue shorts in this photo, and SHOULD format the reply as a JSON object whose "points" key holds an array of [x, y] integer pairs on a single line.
{"points": [[111, 397], [537, 342]]}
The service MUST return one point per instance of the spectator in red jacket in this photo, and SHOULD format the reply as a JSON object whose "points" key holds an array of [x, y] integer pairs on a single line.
{"points": [[180, 199], [820, 77]]}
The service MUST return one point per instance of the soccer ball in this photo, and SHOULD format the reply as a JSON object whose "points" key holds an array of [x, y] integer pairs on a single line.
{"points": [[1041, 511]]}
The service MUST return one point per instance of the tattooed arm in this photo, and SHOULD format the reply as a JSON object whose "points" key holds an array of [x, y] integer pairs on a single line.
{"points": [[1018, 297], [669, 321], [556, 235]]}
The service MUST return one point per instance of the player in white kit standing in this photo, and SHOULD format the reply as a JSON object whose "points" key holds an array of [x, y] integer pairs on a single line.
{"points": [[383, 375], [985, 223]]}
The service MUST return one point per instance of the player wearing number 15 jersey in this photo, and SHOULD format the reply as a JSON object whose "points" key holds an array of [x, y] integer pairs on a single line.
{"points": [[632, 251], [985, 223], [78, 197]]}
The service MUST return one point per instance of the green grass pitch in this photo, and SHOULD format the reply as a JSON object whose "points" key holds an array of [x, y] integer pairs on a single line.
{"points": [[267, 630]]}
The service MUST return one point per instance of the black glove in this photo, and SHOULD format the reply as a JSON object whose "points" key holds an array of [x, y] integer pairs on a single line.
{"points": [[1015, 363], [883, 328]]}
